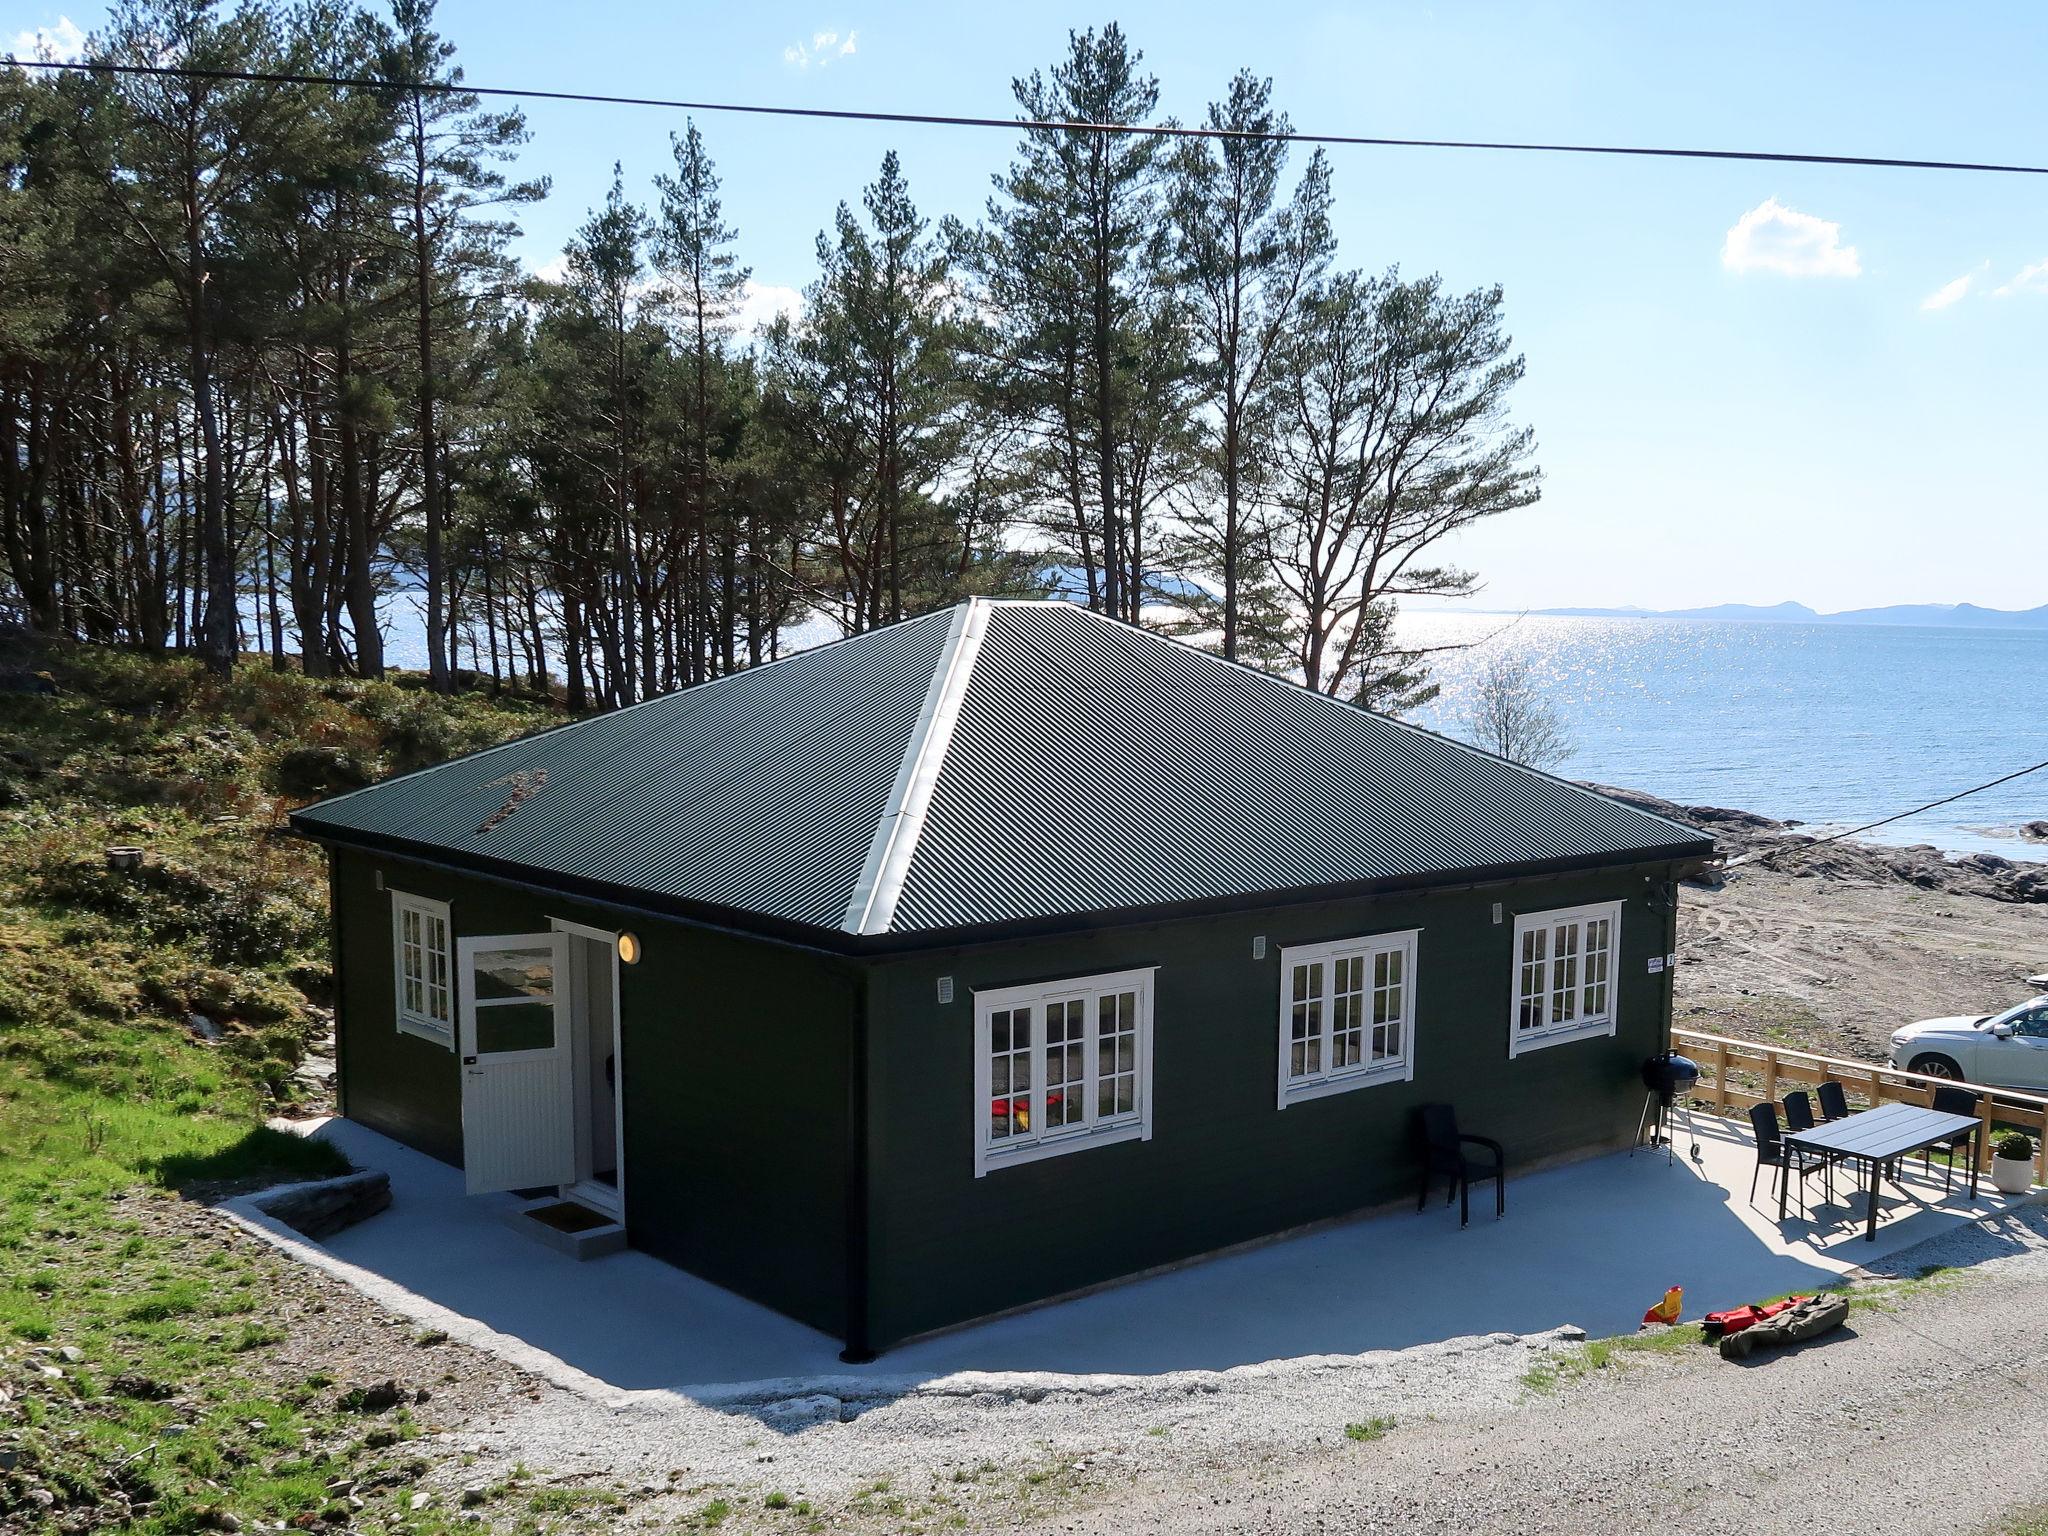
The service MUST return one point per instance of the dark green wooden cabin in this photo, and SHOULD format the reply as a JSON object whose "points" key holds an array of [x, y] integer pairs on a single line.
{"points": [[986, 957]]}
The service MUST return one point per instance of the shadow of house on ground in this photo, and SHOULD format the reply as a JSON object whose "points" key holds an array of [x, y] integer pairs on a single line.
{"points": [[1592, 1244], [262, 1157]]}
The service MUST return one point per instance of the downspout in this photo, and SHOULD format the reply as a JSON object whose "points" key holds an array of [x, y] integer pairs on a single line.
{"points": [[859, 1347], [334, 960], [1671, 884]]}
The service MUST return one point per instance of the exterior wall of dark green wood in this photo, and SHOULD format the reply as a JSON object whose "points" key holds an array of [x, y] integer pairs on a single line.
{"points": [[733, 1072], [1224, 1164]]}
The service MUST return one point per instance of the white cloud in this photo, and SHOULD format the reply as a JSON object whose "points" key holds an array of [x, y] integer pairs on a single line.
{"points": [[1774, 238], [554, 269], [762, 302], [2033, 279], [821, 50], [63, 43], [1955, 292]]}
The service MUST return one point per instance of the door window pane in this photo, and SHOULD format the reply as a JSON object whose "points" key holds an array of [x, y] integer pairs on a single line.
{"points": [[515, 1027], [509, 973]]}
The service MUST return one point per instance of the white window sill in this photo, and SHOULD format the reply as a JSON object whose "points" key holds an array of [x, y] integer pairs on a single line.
{"points": [[1345, 1082], [437, 1034], [1527, 1041], [1074, 1141]]}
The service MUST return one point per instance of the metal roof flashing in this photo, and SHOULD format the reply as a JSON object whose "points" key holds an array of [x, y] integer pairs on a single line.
{"points": [[872, 907]]}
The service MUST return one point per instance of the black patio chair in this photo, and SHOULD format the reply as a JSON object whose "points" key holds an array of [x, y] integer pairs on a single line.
{"points": [[1952, 1101], [1773, 1151], [1834, 1101], [1799, 1111], [1443, 1152]]}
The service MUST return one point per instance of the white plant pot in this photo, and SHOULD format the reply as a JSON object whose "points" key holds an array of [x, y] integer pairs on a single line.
{"points": [[2013, 1175]]}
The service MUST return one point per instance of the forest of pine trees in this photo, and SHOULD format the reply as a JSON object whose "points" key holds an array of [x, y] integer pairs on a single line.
{"points": [[265, 361]]}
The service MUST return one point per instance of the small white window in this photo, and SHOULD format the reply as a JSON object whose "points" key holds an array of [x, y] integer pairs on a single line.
{"points": [[1062, 1066], [1564, 975], [420, 965], [1347, 1015]]}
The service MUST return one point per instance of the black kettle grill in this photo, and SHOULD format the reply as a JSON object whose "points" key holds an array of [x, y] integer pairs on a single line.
{"points": [[1665, 1076]]}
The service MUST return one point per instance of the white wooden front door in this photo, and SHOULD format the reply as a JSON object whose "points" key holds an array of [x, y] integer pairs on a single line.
{"points": [[518, 1112]]}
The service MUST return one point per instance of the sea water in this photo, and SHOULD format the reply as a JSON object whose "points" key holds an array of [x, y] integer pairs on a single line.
{"points": [[1830, 724]]}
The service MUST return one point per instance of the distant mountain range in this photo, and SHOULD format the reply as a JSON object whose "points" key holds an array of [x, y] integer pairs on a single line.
{"points": [[1941, 615]]}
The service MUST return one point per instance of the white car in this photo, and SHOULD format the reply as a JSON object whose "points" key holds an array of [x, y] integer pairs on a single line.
{"points": [[2004, 1050]]}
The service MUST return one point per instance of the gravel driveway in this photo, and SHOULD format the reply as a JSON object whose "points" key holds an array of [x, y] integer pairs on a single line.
{"points": [[1884, 1427], [1925, 1420]]}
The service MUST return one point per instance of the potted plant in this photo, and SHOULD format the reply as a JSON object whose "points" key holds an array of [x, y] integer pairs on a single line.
{"points": [[2012, 1163]]}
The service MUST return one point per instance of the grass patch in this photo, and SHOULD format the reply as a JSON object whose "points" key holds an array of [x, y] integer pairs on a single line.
{"points": [[1562, 1366], [1368, 1431], [150, 1021]]}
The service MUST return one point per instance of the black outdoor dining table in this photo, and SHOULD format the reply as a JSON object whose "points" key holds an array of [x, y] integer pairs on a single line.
{"points": [[1874, 1137]]}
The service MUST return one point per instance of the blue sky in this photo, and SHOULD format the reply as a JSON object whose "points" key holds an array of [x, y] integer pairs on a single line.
{"points": [[1742, 379]]}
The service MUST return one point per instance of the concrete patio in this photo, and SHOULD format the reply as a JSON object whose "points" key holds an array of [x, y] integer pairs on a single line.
{"points": [[1593, 1243]]}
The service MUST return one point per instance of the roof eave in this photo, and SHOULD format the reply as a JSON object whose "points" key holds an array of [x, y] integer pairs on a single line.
{"points": [[818, 938]]}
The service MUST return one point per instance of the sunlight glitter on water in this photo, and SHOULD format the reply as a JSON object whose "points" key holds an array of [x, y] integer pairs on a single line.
{"points": [[1828, 724]]}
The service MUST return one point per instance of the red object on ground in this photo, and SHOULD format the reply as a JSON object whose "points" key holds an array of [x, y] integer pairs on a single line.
{"points": [[1735, 1319]]}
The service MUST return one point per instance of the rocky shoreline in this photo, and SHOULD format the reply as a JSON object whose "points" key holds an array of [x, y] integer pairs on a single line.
{"points": [[1745, 836]]}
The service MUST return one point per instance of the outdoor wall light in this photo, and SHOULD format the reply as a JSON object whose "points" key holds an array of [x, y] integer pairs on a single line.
{"points": [[629, 949]]}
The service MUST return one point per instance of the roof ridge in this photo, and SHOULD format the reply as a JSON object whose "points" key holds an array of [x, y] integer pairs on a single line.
{"points": [[871, 908]]}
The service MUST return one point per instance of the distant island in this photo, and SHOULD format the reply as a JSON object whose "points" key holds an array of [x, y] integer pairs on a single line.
{"points": [[1945, 615]]}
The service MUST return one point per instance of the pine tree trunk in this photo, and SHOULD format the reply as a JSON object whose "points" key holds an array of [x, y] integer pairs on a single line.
{"points": [[430, 478]]}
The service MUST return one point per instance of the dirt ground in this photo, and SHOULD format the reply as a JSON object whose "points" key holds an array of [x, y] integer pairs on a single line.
{"points": [[1829, 946], [1835, 966]]}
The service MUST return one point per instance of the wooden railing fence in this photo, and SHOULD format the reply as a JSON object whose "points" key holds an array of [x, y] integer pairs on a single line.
{"points": [[1726, 1064]]}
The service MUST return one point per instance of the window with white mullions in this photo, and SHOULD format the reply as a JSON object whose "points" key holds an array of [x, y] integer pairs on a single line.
{"points": [[1564, 967], [1066, 1063], [1010, 1044], [421, 966], [1346, 1015], [1081, 1078], [1389, 1006], [1116, 1037]]}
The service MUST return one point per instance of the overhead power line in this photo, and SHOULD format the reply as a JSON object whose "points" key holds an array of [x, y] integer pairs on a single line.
{"points": [[1012, 124], [1835, 837]]}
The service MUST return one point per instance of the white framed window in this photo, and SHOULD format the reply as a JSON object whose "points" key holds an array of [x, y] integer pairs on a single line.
{"points": [[1062, 1066], [1564, 983], [421, 968], [1347, 1015]]}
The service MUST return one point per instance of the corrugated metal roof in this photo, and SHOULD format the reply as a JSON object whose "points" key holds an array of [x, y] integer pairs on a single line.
{"points": [[758, 792], [1008, 763]]}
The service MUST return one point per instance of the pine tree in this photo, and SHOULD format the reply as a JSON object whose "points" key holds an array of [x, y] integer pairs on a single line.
{"points": [[446, 154], [1246, 261], [703, 285], [1073, 269], [1393, 435]]}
